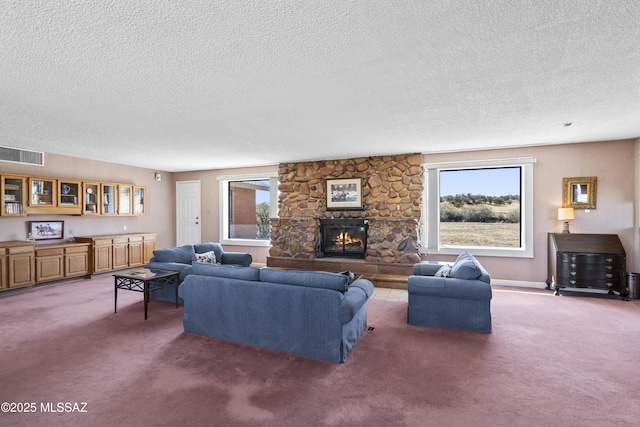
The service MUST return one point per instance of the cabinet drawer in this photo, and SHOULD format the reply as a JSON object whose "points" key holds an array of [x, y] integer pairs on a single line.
{"points": [[102, 242], [596, 259], [20, 249], [49, 252], [617, 281], [76, 250], [123, 239], [587, 271], [135, 239]]}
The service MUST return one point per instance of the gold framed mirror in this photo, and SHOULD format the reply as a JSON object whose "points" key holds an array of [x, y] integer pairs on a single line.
{"points": [[579, 193]]}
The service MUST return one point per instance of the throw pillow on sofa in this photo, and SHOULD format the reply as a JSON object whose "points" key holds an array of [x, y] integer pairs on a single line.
{"points": [[444, 271], [207, 257], [465, 267]]}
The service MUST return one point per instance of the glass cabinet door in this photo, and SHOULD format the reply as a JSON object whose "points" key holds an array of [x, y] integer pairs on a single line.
{"points": [[90, 196], [124, 200], [42, 192], [13, 194], [69, 194], [109, 201], [139, 207]]}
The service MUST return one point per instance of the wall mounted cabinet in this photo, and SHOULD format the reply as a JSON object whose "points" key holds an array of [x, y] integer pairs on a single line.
{"points": [[108, 194], [24, 195], [91, 198], [139, 195], [14, 195], [43, 195], [70, 197], [124, 199]]}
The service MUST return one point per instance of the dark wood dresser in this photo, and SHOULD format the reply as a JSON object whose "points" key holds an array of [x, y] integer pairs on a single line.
{"points": [[596, 261]]}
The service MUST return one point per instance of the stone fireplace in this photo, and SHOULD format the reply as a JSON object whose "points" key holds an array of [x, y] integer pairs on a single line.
{"points": [[392, 188], [343, 237]]}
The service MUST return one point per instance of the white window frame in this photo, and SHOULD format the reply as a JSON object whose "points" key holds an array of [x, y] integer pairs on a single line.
{"points": [[223, 182], [430, 240]]}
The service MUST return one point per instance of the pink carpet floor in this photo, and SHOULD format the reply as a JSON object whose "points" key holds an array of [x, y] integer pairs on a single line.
{"points": [[550, 361]]}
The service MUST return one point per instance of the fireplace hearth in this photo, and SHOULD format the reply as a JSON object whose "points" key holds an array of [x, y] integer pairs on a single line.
{"points": [[343, 237]]}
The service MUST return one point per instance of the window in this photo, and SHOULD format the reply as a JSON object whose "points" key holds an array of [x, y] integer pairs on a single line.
{"points": [[247, 205], [482, 206]]}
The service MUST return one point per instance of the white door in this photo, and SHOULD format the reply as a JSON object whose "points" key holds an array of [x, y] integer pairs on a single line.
{"points": [[187, 212]]}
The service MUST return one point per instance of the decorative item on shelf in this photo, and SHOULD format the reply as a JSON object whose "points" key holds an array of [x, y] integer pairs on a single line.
{"points": [[566, 215], [66, 189], [30, 238], [71, 239]]}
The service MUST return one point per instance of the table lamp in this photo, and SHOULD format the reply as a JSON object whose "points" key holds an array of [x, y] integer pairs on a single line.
{"points": [[565, 214]]}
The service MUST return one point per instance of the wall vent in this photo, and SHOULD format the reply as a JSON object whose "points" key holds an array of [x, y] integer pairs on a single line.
{"points": [[16, 155]]}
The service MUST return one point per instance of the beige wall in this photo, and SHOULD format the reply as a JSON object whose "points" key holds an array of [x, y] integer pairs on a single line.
{"points": [[210, 206], [613, 163], [160, 217]]}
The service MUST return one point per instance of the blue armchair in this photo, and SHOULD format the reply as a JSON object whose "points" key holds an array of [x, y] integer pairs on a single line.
{"points": [[451, 297]]}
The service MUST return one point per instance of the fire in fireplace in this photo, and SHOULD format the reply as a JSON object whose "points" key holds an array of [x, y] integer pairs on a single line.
{"points": [[343, 237]]}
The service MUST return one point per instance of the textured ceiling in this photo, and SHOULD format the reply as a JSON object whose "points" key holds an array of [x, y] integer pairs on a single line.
{"points": [[188, 85]]}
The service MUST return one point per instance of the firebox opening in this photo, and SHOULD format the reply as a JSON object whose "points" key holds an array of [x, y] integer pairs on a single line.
{"points": [[344, 237]]}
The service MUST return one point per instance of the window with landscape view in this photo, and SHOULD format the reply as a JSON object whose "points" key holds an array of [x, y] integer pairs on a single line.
{"points": [[247, 207], [480, 208]]}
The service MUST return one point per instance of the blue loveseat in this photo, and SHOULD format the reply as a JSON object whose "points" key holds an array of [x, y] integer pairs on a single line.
{"points": [[309, 313], [180, 259], [454, 296]]}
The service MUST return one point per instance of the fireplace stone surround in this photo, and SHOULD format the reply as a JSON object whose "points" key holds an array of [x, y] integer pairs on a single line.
{"points": [[392, 188]]}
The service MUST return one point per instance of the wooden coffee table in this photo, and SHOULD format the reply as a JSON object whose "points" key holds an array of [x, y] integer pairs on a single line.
{"points": [[145, 281]]}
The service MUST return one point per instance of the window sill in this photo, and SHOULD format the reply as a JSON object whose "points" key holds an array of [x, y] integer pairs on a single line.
{"points": [[245, 242]]}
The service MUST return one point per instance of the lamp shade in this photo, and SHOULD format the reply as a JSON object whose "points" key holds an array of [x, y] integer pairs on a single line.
{"points": [[565, 214]]}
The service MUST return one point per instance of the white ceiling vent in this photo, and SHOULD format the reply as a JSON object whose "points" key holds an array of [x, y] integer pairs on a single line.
{"points": [[16, 155]]}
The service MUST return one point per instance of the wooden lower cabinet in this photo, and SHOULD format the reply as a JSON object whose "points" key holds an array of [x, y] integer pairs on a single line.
{"points": [[76, 261], [49, 264], [4, 280], [102, 257], [16, 265], [119, 251], [61, 261], [136, 251], [148, 246]]}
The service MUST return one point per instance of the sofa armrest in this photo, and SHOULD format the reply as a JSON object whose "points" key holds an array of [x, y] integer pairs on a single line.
{"points": [[356, 296], [449, 287], [238, 258], [428, 268]]}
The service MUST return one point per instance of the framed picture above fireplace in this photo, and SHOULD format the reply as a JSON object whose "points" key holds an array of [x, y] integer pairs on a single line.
{"points": [[344, 194]]}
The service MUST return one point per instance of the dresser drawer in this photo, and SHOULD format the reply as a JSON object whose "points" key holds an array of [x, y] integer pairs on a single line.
{"points": [[592, 260]]}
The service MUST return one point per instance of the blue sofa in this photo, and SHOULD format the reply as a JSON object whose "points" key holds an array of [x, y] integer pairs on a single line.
{"points": [[454, 296], [180, 259], [309, 313]]}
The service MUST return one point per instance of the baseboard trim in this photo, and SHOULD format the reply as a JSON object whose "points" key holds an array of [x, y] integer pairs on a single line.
{"points": [[519, 284]]}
